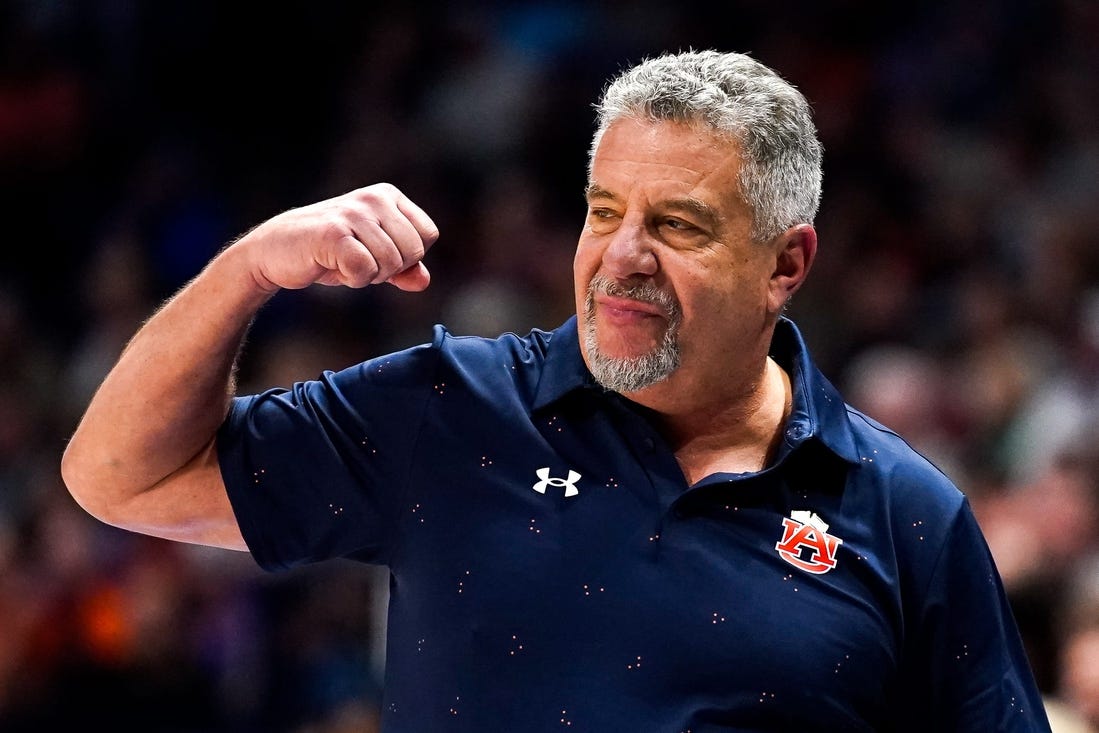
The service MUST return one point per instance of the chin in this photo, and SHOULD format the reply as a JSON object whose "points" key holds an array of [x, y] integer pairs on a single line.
{"points": [[621, 348], [632, 339], [627, 370]]}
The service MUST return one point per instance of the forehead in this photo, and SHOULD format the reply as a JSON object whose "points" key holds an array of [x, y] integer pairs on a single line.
{"points": [[665, 159]]}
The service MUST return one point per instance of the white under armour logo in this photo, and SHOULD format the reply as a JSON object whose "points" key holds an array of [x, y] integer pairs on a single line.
{"points": [[568, 484]]}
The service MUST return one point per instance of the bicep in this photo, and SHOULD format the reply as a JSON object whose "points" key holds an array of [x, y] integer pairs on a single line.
{"points": [[189, 505]]}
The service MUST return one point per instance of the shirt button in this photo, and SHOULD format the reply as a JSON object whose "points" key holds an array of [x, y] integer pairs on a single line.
{"points": [[796, 432], [648, 444]]}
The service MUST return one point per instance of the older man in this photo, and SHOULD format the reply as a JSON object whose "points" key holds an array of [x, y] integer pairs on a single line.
{"points": [[659, 516]]}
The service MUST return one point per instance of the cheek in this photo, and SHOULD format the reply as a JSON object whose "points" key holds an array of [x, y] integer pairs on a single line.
{"points": [[714, 301], [585, 263], [589, 252]]}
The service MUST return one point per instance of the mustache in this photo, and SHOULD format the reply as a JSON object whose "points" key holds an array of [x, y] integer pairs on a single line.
{"points": [[643, 291]]}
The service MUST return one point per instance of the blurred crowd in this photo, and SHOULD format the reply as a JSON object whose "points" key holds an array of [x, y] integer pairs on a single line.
{"points": [[955, 296]]}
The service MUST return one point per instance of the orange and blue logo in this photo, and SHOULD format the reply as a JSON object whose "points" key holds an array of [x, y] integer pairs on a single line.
{"points": [[806, 544]]}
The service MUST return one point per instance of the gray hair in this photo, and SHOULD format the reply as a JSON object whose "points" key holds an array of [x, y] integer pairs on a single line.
{"points": [[735, 95]]}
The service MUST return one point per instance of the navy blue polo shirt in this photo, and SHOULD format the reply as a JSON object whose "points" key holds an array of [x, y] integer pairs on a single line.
{"points": [[551, 569]]}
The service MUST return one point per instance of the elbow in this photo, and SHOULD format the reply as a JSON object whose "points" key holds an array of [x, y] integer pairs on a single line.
{"points": [[79, 479]]}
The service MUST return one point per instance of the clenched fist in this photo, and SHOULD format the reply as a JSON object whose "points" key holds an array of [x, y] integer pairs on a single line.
{"points": [[371, 235]]}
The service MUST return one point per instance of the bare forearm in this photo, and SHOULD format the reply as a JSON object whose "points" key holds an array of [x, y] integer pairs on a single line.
{"points": [[165, 398], [143, 456]]}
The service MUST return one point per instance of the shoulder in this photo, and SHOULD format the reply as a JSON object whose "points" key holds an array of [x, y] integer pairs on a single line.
{"points": [[471, 358], [522, 366], [911, 482], [529, 348]]}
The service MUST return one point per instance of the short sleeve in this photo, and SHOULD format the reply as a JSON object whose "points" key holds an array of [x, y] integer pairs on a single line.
{"points": [[319, 470], [968, 670]]}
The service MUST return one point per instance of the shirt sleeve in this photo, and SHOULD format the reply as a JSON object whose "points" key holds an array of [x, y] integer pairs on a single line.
{"points": [[970, 671], [319, 470]]}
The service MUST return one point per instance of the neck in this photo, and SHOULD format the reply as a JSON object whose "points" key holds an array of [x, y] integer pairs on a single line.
{"points": [[737, 434]]}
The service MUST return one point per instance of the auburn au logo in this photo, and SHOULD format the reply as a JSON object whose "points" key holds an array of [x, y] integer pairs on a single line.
{"points": [[806, 543]]}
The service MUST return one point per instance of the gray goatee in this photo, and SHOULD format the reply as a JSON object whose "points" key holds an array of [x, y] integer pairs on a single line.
{"points": [[631, 374]]}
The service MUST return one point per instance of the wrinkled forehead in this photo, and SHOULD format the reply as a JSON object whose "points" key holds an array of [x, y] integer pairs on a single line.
{"points": [[666, 159], [731, 136]]}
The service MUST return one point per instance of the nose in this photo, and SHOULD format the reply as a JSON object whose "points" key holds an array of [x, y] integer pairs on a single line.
{"points": [[629, 253]]}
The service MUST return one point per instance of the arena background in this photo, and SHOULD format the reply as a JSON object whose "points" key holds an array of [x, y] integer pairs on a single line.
{"points": [[955, 296]]}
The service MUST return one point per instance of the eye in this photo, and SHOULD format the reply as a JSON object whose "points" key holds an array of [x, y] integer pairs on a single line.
{"points": [[679, 225], [602, 220]]}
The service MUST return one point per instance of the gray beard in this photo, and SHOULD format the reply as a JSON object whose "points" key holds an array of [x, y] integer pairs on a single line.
{"points": [[631, 374]]}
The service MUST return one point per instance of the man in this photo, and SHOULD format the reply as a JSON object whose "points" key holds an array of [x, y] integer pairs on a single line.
{"points": [[659, 516]]}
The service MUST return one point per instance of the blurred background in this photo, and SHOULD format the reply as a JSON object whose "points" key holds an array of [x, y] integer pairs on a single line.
{"points": [[955, 296]]}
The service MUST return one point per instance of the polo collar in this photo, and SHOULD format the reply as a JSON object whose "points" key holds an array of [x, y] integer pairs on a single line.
{"points": [[564, 369], [818, 410]]}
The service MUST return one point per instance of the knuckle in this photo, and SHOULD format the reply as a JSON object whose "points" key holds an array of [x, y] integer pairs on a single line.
{"points": [[378, 193], [331, 225]]}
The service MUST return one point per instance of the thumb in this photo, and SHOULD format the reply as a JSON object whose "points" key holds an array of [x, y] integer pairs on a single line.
{"points": [[414, 278]]}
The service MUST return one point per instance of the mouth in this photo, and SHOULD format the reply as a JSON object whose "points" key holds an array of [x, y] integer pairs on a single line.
{"points": [[627, 308], [636, 302], [630, 333], [630, 318]]}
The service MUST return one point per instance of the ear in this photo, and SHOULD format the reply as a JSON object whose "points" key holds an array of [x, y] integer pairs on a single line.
{"points": [[794, 252]]}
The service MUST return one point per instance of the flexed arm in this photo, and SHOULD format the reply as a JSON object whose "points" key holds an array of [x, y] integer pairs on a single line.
{"points": [[143, 455]]}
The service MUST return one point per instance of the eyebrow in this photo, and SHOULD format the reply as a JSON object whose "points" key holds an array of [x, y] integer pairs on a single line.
{"points": [[687, 204], [699, 208], [595, 191]]}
